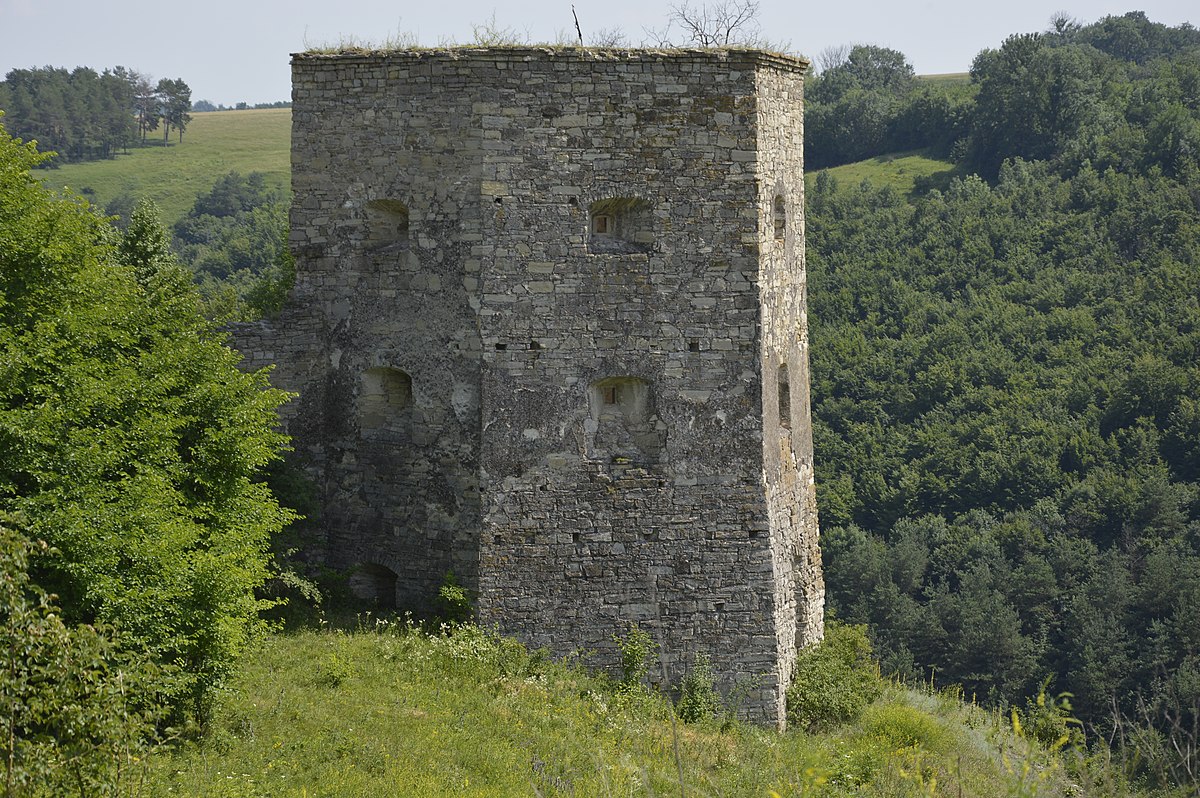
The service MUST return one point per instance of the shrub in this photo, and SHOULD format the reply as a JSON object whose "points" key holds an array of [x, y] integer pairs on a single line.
{"points": [[834, 680], [902, 726], [638, 651], [1048, 720], [698, 699], [453, 601], [75, 713]]}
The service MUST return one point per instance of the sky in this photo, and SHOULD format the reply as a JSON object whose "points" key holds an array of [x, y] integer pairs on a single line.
{"points": [[232, 51]]}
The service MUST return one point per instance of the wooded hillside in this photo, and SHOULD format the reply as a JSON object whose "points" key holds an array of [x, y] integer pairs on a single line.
{"points": [[1006, 374]]}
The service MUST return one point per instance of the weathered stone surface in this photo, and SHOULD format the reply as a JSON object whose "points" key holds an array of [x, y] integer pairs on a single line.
{"points": [[549, 333]]}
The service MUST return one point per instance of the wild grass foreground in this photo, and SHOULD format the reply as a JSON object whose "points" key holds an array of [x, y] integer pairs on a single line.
{"points": [[390, 709]]}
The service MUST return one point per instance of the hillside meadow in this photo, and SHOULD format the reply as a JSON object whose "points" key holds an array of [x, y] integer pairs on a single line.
{"points": [[215, 143], [388, 709], [903, 172]]}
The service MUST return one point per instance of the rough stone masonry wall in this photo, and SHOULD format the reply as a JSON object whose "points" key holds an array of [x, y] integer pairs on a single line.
{"points": [[585, 530], [787, 426], [385, 161], [588, 438]]}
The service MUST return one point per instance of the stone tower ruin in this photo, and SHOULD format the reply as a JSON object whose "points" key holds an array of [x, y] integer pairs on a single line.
{"points": [[548, 334]]}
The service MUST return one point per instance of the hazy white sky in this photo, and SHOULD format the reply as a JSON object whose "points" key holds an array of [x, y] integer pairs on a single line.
{"points": [[234, 50]]}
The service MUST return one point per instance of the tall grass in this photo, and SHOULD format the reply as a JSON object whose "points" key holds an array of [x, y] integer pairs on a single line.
{"points": [[391, 710]]}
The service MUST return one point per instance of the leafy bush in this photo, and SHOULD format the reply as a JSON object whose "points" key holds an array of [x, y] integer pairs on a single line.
{"points": [[334, 668], [834, 680], [698, 699], [638, 652], [902, 726], [1048, 720], [129, 439], [76, 712], [453, 601]]}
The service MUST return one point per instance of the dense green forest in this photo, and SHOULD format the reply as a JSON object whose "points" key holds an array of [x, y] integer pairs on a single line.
{"points": [[1119, 91], [84, 115], [234, 240], [1005, 382]]}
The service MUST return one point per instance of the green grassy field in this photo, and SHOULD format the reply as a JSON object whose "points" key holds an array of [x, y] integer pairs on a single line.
{"points": [[390, 711], [946, 77], [899, 170], [215, 143]]}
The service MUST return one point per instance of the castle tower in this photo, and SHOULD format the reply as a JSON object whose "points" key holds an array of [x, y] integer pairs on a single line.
{"points": [[549, 334]]}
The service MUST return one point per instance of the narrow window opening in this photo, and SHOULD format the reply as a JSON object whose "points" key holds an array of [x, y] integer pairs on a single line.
{"points": [[785, 398], [780, 217], [620, 225], [574, 537], [623, 427], [387, 222], [693, 346], [501, 347], [384, 395], [534, 345]]}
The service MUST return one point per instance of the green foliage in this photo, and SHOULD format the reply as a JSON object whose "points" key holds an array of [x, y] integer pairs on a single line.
{"points": [[1048, 720], [903, 726], [834, 680], [850, 106], [84, 115], [235, 240], [175, 100], [1004, 425], [129, 439], [698, 698], [79, 115], [453, 601], [334, 667], [1119, 92], [295, 589], [143, 243], [76, 712], [638, 653], [1003, 387], [466, 712]]}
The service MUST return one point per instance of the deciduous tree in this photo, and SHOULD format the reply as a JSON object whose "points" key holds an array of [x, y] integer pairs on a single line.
{"points": [[129, 439]]}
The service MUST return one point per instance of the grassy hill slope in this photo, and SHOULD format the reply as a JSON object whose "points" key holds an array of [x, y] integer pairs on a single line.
{"points": [[388, 710], [215, 143], [899, 170]]}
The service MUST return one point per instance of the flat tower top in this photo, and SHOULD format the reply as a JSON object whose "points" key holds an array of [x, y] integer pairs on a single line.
{"points": [[518, 53]]}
